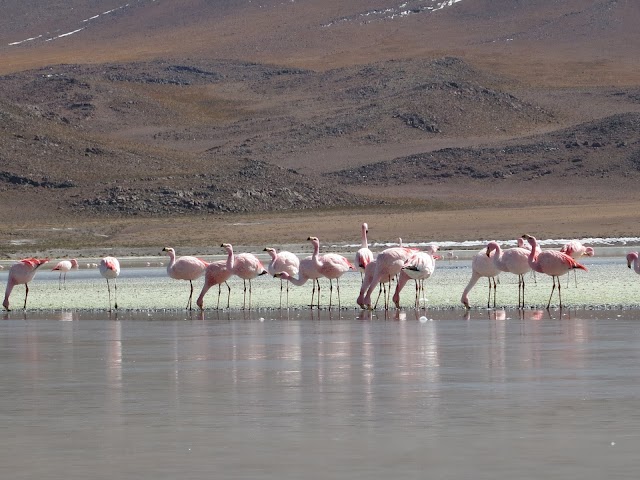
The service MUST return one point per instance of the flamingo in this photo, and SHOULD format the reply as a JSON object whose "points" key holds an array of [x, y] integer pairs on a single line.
{"points": [[64, 266], [110, 268], [575, 250], [331, 266], [247, 266], [282, 262], [512, 260], [482, 266], [388, 264], [185, 268], [364, 256], [633, 258], [218, 273], [308, 271], [552, 263], [22, 273], [418, 267]]}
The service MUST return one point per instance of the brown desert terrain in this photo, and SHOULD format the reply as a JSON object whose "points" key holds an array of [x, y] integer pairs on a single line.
{"points": [[133, 126]]}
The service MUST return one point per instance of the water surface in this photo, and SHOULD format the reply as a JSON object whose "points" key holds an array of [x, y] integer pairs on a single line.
{"points": [[275, 395]]}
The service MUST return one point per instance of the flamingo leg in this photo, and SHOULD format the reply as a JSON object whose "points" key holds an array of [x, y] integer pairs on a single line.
{"points": [[552, 289], [380, 287], [109, 290], [338, 291], [26, 294], [330, 292], [559, 293], [115, 293], [318, 298], [190, 295], [250, 292]]}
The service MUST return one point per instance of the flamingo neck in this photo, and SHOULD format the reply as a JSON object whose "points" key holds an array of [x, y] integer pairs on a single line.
{"points": [[230, 258]]}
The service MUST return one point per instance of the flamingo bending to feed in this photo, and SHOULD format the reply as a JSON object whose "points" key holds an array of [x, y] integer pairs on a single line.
{"points": [[419, 267], [364, 256], [482, 266], [64, 266], [552, 263], [511, 260], [331, 266], [218, 273], [632, 258], [388, 264], [110, 269], [282, 262], [22, 273], [185, 268], [247, 266], [308, 271]]}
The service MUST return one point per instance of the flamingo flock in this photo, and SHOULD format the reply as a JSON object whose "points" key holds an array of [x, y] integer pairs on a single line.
{"points": [[397, 264]]}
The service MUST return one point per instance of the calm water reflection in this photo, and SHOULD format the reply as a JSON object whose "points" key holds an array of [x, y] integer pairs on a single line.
{"points": [[492, 395]]}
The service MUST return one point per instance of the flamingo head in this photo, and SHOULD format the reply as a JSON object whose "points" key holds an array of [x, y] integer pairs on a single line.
{"points": [[365, 228], [631, 257], [74, 263], [532, 240], [491, 246], [589, 251], [170, 251], [270, 251]]}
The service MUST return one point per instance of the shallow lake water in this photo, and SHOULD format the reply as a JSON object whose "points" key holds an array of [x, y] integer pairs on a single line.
{"points": [[300, 394], [155, 391]]}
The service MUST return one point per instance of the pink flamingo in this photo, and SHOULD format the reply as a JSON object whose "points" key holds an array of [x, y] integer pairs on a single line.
{"points": [[388, 264], [633, 258], [331, 266], [482, 266], [282, 262], [110, 269], [512, 260], [218, 273], [64, 266], [247, 266], [552, 263], [419, 267], [364, 256], [308, 271], [22, 273], [575, 250], [185, 268]]}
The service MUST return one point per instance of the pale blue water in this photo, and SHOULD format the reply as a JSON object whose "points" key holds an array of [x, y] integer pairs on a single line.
{"points": [[495, 395]]}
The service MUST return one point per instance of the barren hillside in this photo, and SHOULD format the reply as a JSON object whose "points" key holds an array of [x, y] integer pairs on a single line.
{"points": [[154, 107]]}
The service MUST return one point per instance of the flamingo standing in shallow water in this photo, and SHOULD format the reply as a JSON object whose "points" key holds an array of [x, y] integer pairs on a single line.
{"points": [[218, 273], [282, 262], [419, 267], [110, 269], [247, 266], [575, 250], [512, 260], [308, 271], [331, 266], [64, 266], [482, 266], [364, 256], [185, 268], [22, 273], [387, 265], [632, 258], [552, 263]]}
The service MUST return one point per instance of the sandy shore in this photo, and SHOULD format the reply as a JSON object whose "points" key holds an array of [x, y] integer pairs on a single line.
{"points": [[140, 236]]}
